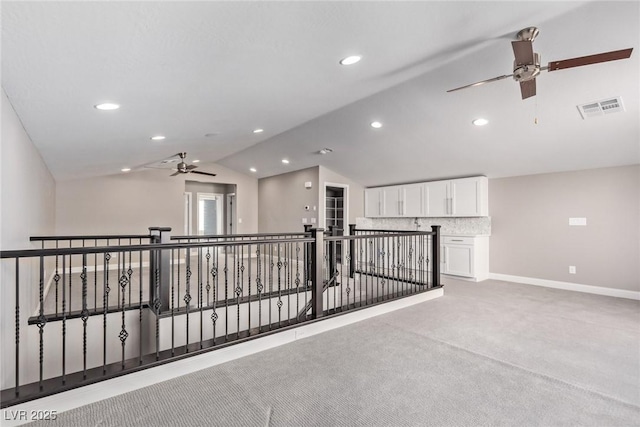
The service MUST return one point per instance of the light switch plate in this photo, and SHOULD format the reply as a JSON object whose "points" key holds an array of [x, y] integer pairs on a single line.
{"points": [[577, 221]]}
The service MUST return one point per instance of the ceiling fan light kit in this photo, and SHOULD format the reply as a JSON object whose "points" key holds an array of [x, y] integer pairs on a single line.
{"points": [[526, 66]]}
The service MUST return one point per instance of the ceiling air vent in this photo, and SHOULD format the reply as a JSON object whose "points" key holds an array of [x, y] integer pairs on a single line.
{"points": [[600, 108]]}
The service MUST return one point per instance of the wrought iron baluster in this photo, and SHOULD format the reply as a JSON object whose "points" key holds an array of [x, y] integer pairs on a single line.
{"points": [[279, 265], [140, 309], [64, 319], [214, 273], [123, 282], [259, 287], [172, 308], [208, 288], [187, 298], [297, 281], [105, 307], [226, 294], [42, 320], [271, 265], [129, 273], [17, 326], [56, 278], [200, 296], [84, 314], [238, 289], [95, 279], [350, 276], [249, 293]]}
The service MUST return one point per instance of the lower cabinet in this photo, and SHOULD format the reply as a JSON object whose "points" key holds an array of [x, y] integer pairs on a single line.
{"points": [[465, 256]]}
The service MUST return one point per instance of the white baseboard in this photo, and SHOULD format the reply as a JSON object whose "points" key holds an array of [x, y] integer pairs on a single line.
{"points": [[81, 396], [590, 289]]}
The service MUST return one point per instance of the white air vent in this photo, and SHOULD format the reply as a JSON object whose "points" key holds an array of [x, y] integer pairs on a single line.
{"points": [[600, 108]]}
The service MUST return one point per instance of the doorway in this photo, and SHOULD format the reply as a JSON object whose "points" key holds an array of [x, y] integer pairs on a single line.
{"points": [[336, 212], [210, 214]]}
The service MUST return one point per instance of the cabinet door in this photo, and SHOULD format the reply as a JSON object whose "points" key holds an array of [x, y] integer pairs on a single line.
{"points": [[458, 260], [373, 202], [391, 201], [468, 196], [437, 198], [412, 203]]}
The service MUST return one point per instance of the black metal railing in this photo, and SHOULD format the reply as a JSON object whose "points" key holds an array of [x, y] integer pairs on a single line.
{"points": [[85, 314]]}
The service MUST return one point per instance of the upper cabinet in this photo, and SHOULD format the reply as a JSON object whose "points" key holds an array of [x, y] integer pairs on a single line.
{"points": [[373, 198], [463, 197], [458, 197]]}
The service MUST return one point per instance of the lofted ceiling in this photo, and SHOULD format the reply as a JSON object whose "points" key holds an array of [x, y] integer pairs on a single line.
{"points": [[206, 74]]}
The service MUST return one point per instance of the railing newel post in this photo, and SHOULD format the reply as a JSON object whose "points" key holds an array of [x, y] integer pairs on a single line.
{"points": [[435, 250], [317, 249], [352, 250]]}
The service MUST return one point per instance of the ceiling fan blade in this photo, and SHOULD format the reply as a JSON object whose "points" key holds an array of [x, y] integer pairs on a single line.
{"points": [[528, 88], [495, 79], [190, 167], [523, 51], [175, 173], [591, 59], [203, 173]]}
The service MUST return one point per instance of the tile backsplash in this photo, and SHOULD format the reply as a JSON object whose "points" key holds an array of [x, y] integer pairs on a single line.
{"points": [[470, 226]]}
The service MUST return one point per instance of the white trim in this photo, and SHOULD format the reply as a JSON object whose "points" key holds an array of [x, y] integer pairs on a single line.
{"points": [[75, 398], [590, 289]]}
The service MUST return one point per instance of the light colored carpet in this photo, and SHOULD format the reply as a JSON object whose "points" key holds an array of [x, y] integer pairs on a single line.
{"points": [[490, 353]]}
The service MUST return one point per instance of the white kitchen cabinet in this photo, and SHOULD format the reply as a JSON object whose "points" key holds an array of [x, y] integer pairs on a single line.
{"points": [[465, 256], [403, 200], [391, 204], [464, 197], [373, 202], [437, 197], [458, 197], [413, 200]]}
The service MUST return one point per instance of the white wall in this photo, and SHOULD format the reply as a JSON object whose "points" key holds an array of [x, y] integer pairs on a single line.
{"points": [[282, 199], [531, 236], [132, 202], [27, 209]]}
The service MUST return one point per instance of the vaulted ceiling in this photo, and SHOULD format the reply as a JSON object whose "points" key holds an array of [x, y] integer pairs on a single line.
{"points": [[207, 74]]}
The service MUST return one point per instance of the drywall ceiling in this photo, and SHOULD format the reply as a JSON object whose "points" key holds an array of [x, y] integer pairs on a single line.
{"points": [[223, 69]]}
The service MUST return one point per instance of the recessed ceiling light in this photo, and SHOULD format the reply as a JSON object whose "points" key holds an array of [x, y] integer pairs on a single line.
{"points": [[158, 137], [376, 125], [195, 161], [480, 122], [125, 169], [107, 106], [350, 60], [253, 169], [285, 161], [258, 130]]}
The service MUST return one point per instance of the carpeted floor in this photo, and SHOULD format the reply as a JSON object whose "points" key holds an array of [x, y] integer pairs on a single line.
{"points": [[489, 353]]}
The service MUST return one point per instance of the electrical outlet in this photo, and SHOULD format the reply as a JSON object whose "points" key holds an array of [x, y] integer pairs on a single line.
{"points": [[313, 220], [304, 220], [572, 269]]}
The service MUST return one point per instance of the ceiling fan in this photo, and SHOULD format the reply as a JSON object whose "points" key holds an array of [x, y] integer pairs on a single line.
{"points": [[526, 65], [182, 167]]}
